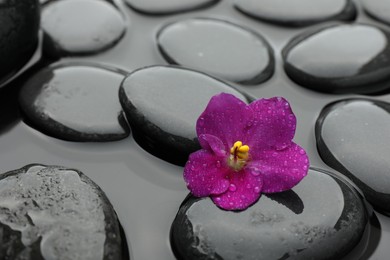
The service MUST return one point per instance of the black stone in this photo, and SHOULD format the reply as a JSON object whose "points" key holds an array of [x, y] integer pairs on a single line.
{"points": [[218, 47], [340, 59], [75, 102], [153, 7], [353, 138], [162, 105], [298, 12], [19, 25], [330, 226], [378, 9], [80, 27], [51, 212]]}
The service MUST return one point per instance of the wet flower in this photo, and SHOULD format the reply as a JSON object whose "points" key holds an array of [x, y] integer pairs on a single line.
{"points": [[246, 150]]}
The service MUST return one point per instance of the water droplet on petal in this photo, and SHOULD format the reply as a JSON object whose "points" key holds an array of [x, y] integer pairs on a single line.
{"points": [[255, 172], [257, 189], [218, 164], [232, 187]]}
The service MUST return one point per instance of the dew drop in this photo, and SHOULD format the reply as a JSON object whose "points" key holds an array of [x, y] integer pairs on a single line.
{"points": [[257, 189], [232, 187], [255, 172], [218, 164]]}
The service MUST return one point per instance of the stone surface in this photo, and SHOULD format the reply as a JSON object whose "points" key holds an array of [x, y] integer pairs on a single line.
{"points": [[297, 12], [162, 105], [378, 9], [321, 218], [19, 22], [352, 137], [75, 102], [153, 7], [218, 47], [340, 59], [51, 212], [80, 27]]}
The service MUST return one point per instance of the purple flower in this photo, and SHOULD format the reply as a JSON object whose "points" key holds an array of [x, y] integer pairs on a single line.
{"points": [[246, 150]]}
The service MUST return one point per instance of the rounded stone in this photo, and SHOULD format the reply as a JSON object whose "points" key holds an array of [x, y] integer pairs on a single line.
{"points": [[80, 27], [218, 47], [76, 102], [297, 12], [352, 137], [322, 217], [52, 212], [152, 7], [19, 28], [340, 59], [378, 9], [162, 105]]}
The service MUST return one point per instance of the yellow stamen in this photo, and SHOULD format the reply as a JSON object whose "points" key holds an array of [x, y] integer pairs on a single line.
{"points": [[239, 154]]}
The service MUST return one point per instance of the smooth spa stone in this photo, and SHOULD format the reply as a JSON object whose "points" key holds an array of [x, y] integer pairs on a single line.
{"points": [[297, 12], [162, 105], [81, 27], [348, 58], [353, 138], [218, 47], [75, 102], [322, 217], [378, 9], [19, 25], [165, 7], [51, 212]]}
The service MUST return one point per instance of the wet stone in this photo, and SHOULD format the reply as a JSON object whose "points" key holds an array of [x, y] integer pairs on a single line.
{"points": [[80, 27], [75, 102], [320, 218], [19, 22], [51, 212], [297, 12], [218, 47], [162, 105], [340, 59], [378, 9], [153, 7], [353, 137]]}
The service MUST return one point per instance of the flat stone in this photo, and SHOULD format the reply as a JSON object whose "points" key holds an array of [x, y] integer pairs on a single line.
{"points": [[19, 22], [340, 59], [322, 217], [162, 105], [352, 137], [218, 47], [297, 12], [51, 212], [153, 7], [75, 102], [80, 27]]}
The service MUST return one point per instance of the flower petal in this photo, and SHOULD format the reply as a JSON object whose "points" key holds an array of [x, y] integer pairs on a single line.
{"points": [[273, 124], [244, 190], [204, 174], [281, 170], [225, 117], [213, 144]]}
